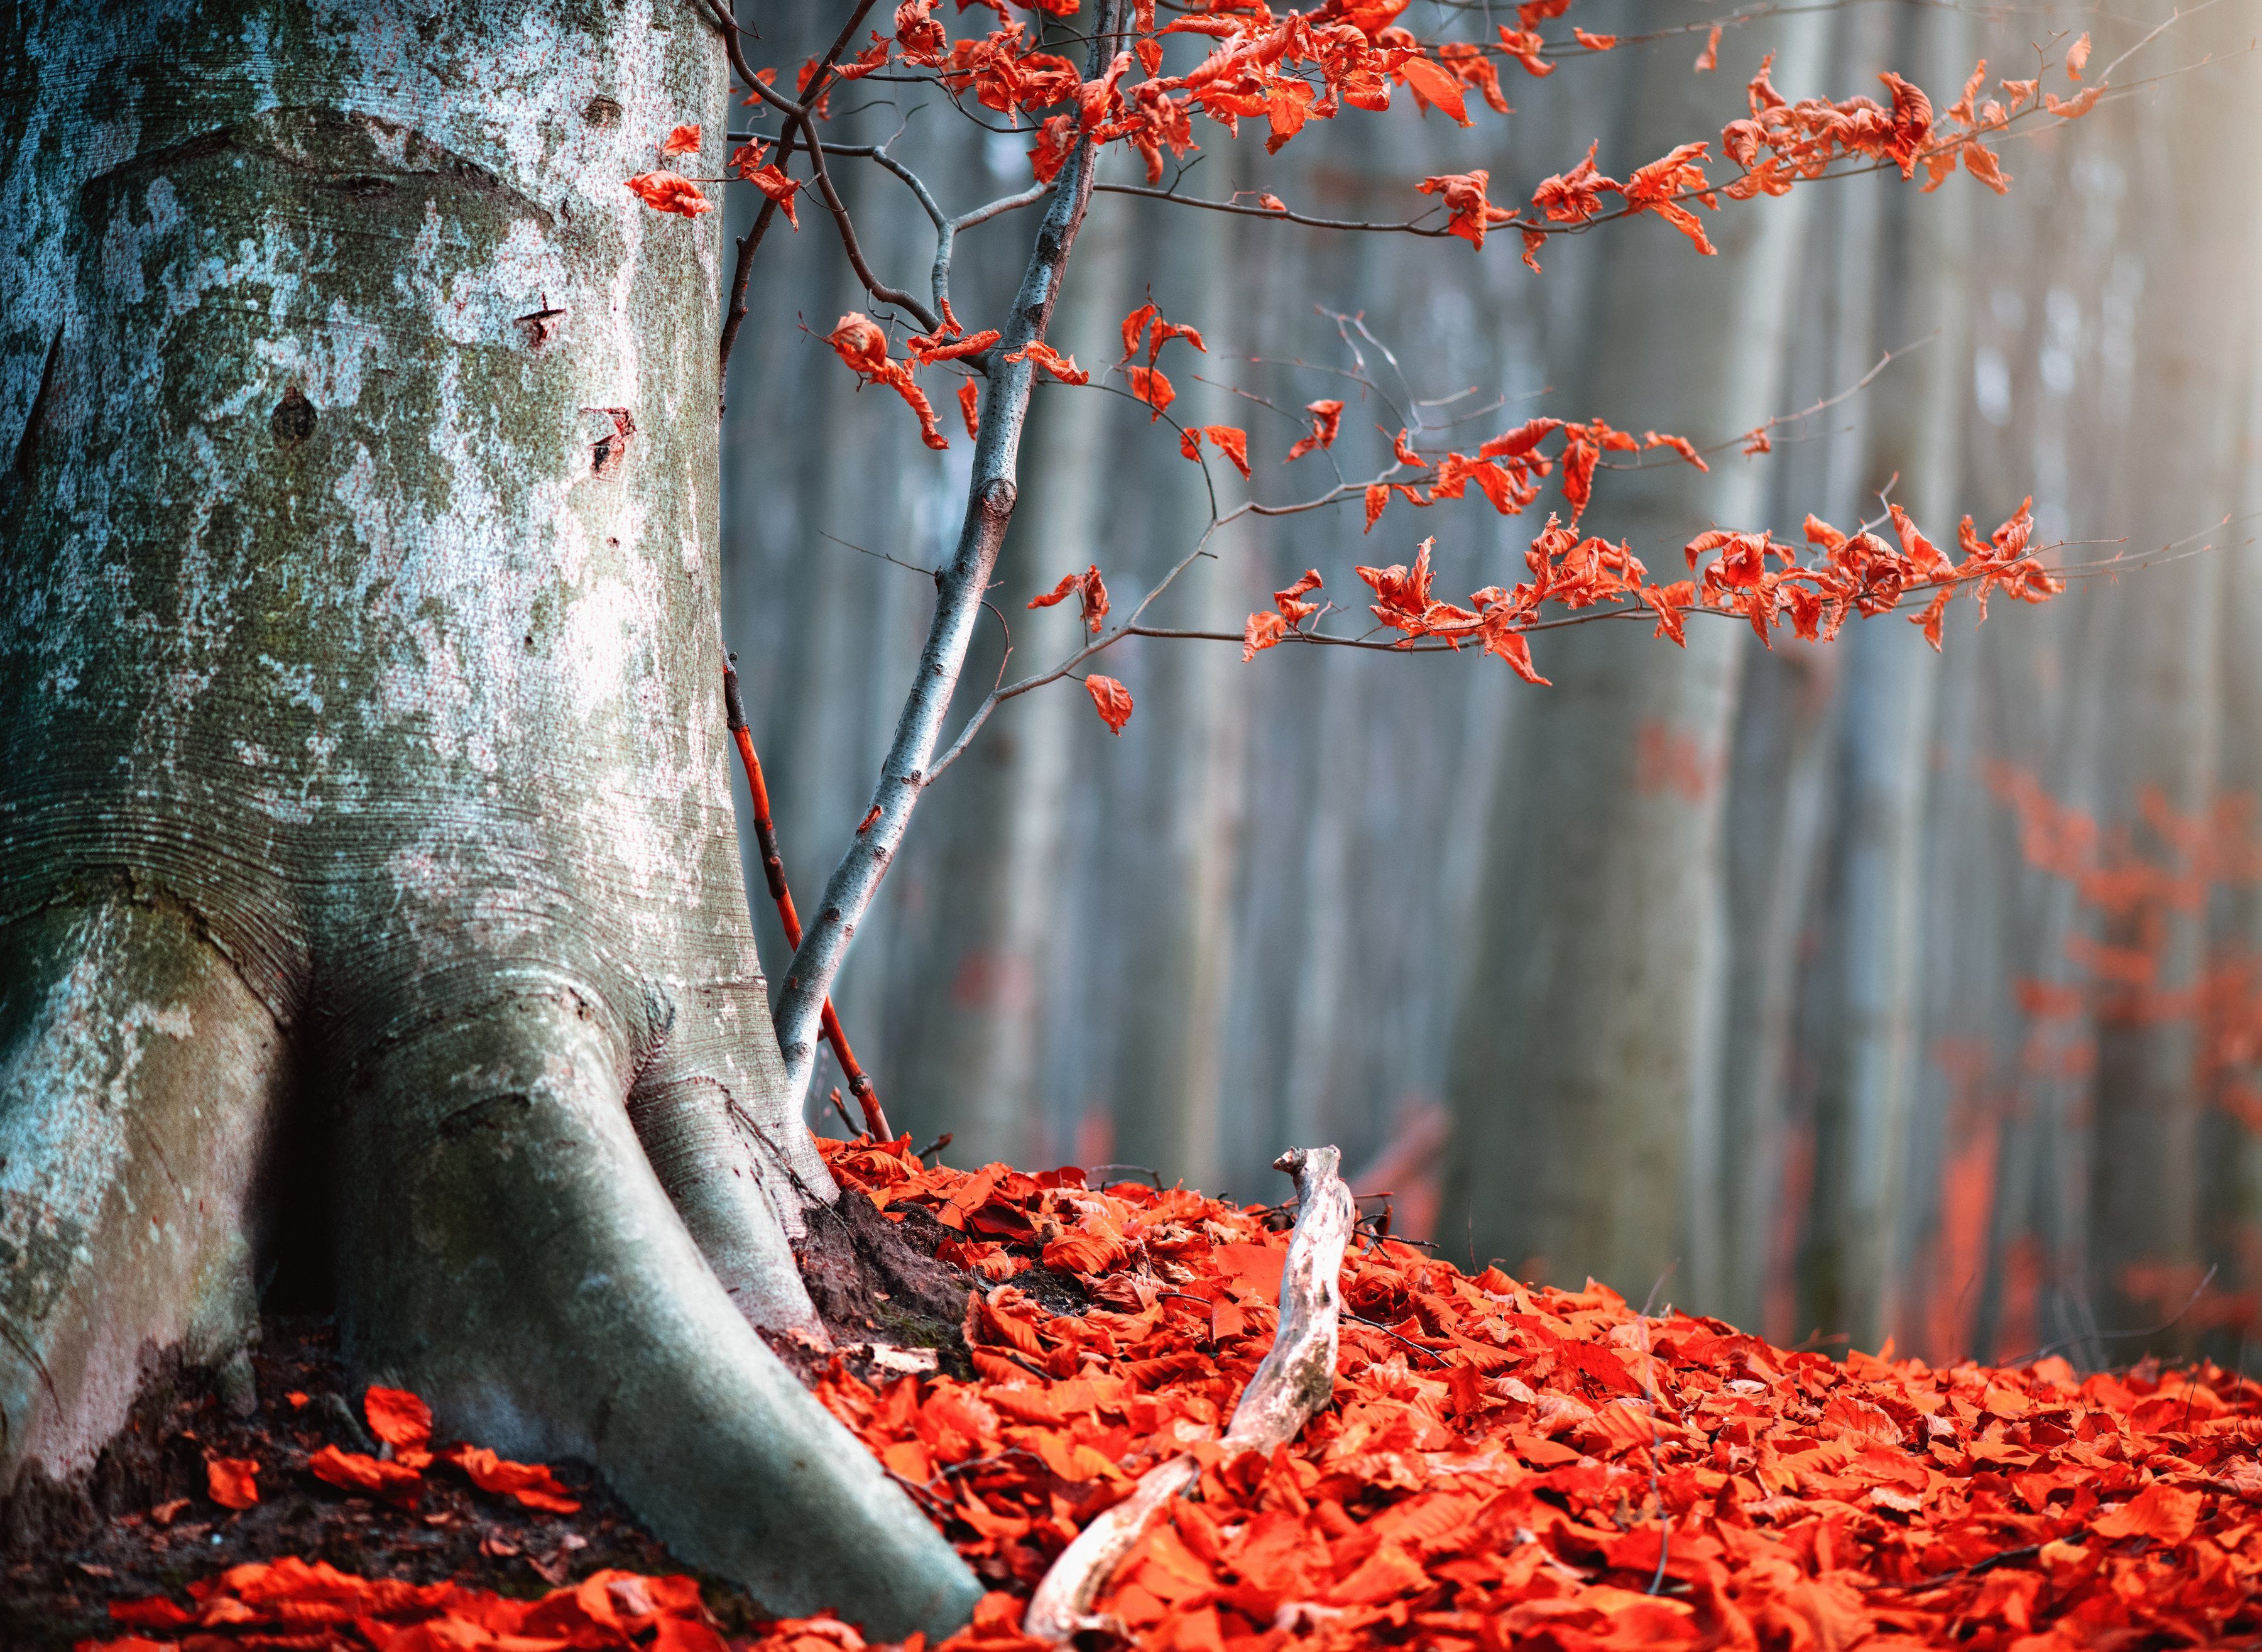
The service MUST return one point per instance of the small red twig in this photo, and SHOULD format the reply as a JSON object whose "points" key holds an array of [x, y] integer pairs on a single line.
{"points": [[859, 1082]]}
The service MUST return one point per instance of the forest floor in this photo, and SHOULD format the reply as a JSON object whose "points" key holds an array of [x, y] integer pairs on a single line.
{"points": [[1502, 1465], [158, 1530]]}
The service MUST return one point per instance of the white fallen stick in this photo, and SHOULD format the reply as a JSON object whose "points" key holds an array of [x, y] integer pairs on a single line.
{"points": [[1295, 1380]]}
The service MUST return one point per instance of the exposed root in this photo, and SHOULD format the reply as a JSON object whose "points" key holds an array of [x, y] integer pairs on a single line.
{"points": [[517, 1262], [1294, 1380]]}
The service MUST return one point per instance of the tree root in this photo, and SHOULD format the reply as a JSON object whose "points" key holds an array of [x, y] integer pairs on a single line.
{"points": [[1294, 1380], [520, 1266]]}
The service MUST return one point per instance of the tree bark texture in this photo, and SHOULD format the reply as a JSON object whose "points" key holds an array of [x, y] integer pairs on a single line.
{"points": [[362, 768]]}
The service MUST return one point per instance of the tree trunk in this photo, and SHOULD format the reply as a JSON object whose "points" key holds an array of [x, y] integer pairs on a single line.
{"points": [[1574, 1058], [2145, 1170], [979, 973], [363, 769], [1907, 428]]}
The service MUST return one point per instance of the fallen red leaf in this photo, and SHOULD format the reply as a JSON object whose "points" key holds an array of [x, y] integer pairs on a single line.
{"points": [[233, 1482], [397, 1417]]}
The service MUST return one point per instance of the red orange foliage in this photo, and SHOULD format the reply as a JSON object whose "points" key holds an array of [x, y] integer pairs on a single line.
{"points": [[1502, 1465], [1506, 1464]]}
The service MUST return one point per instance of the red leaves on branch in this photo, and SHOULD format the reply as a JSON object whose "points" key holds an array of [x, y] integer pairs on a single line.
{"points": [[746, 162], [1709, 59], [1043, 355], [1089, 589], [1660, 187], [669, 192], [1228, 439], [950, 341], [1146, 322], [1327, 421], [858, 340], [1263, 629], [1574, 197], [921, 38], [1467, 212], [1290, 598], [1111, 699], [1150, 386]]}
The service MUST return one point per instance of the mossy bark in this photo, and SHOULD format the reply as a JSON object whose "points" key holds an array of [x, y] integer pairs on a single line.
{"points": [[360, 755]]}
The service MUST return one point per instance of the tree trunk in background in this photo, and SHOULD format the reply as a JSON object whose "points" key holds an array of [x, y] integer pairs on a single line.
{"points": [[1854, 1254], [1175, 904], [1778, 796], [1572, 1072], [2144, 1165], [363, 766], [2230, 1149]]}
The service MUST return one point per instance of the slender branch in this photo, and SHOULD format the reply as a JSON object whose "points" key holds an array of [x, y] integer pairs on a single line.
{"points": [[765, 837], [1286, 215], [1129, 627], [796, 128], [881, 292], [992, 490]]}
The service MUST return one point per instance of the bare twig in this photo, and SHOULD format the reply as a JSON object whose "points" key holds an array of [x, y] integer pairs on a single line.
{"points": [[859, 1082], [2190, 1303], [796, 128], [1296, 1378]]}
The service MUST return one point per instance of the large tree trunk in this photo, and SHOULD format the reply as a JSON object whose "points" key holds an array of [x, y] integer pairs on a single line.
{"points": [[363, 772]]}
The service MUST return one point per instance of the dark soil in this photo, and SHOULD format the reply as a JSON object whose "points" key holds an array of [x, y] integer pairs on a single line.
{"points": [[142, 1521]]}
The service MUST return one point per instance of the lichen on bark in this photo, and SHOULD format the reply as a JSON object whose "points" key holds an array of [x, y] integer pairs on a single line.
{"points": [[359, 751]]}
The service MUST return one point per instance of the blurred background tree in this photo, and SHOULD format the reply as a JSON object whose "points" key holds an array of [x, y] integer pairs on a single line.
{"points": [[1742, 976]]}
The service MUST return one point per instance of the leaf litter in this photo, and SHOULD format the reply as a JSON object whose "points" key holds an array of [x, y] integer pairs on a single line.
{"points": [[1502, 1464]]}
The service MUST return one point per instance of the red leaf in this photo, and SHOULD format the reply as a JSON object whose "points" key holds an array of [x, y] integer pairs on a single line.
{"points": [[352, 1471], [233, 1482], [1709, 59], [685, 140], [669, 192], [531, 1483], [1111, 699], [397, 1417], [1060, 367], [1327, 421], [1467, 212], [1432, 84], [1088, 587], [1149, 385], [154, 1612], [1261, 632]]}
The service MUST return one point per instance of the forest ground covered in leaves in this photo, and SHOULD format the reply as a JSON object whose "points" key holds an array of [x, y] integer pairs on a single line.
{"points": [[1501, 1464]]}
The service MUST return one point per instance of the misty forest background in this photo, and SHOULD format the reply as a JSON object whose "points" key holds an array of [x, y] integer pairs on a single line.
{"points": [[1853, 991]]}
